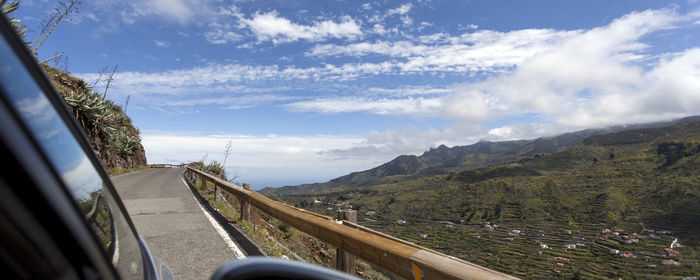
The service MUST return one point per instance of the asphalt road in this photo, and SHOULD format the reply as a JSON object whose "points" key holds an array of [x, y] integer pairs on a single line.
{"points": [[169, 219]]}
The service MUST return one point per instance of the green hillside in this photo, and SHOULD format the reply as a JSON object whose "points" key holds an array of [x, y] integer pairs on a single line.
{"points": [[443, 159], [115, 140], [637, 182]]}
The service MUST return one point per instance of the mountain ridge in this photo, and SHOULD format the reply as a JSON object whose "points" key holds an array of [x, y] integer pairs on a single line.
{"points": [[443, 159]]}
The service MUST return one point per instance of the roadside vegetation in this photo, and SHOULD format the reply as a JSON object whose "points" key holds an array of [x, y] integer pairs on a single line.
{"points": [[119, 171], [273, 237], [113, 137]]}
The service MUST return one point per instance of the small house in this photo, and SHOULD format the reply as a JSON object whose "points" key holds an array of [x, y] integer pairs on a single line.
{"points": [[675, 244], [670, 262], [544, 246], [632, 241], [614, 251], [671, 252]]}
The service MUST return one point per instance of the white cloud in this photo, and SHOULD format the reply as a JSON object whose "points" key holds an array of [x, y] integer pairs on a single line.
{"points": [[177, 10], [161, 44], [389, 144], [467, 27], [379, 29], [231, 77], [257, 158], [222, 37], [271, 27], [410, 91], [82, 179], [481, 51], [577, 80], [588, 79], [384, 106], [400, 10], [231, 102]]}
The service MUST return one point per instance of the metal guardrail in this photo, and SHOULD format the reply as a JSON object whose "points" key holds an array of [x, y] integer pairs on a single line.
{"points": [[401, 257]]}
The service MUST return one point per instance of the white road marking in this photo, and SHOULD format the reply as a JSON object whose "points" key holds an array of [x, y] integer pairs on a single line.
{"points": [[115, 257], [231, 244]]}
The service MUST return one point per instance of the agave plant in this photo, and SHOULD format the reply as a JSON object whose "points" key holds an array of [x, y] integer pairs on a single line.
{"points": [[216, 169], [93, 112], [124, 144], [7, 9]]}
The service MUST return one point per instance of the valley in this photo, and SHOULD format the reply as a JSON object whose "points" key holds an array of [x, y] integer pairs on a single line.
{"points": [[607, 207]]}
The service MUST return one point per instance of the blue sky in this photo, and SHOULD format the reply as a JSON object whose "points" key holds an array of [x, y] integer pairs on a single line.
{"points": [[310, 90]]}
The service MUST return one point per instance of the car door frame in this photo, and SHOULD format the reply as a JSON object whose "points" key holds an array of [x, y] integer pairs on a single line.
{"points": [[45, 180]]}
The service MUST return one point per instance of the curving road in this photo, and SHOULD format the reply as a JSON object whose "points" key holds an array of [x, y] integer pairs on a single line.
{"points": [[176, 228]]}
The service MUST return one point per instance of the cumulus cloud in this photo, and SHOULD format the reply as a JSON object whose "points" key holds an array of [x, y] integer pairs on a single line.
{"points": [[400, 10], [574, 80], [590, 79], [271, 27]]}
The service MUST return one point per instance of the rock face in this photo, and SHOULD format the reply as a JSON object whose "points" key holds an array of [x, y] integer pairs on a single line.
{"points": [[113, 138]]}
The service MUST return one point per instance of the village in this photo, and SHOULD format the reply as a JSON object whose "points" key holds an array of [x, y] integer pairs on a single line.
{"points": [[561, 250]]}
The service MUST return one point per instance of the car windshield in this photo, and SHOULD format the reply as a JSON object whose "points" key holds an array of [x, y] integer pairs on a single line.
{"points": [[534, 139]]}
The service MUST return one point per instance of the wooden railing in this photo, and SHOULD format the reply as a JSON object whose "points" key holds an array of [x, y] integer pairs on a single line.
{"points": [[403, 258]]}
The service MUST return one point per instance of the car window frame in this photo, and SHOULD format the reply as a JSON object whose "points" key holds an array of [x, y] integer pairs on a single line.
{"points": [[38, 76]]}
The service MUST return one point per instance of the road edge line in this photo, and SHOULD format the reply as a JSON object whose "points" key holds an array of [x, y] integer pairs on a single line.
{"points": [[227, 238]]}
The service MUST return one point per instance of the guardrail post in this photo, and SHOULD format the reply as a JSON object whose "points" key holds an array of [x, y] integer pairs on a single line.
{"points": [[245, 205], [344, 261], [204, 182], [216, 193]]}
